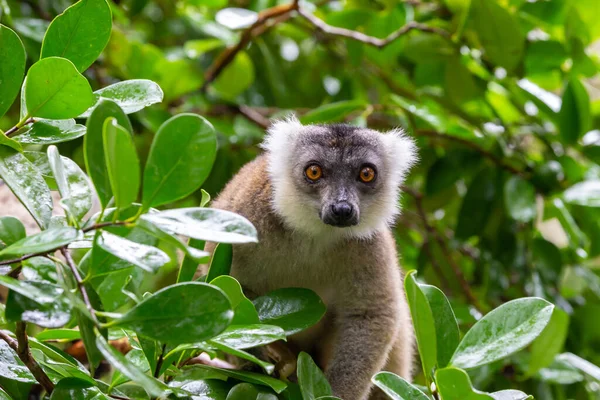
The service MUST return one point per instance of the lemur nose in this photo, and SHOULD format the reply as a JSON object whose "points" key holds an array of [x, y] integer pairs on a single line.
{"points": [[342, 210]]}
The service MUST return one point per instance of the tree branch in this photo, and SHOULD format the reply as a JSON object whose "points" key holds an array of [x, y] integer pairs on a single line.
{"points": [[491, 156], [433, 232], [80, 285], [21, 347], [160, 361], [227, 56], [370, 40]]}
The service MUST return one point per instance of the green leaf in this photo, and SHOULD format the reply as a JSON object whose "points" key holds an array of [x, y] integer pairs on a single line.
{"points": [[205, 224], [586, 193], [55, 89], [424, 324], [454, 384], [293, 309], [332, 112], [12, 68], [236, 77], [519, 198], [131, 96], [549, 343], [446, 327], [122, 163], [50, 132], [76, 389], [72, 185], [200, 256], [153, 386], [311, 379], [182, 313], [266, 366], [220, 264], [41, 303], [93, 146], [11, 230], [244, 311], [574, 117], [11, 367], [6, 141], [582, 365], [510, 395], [180, 159], [80, 33], [43, 241], [505, 330], [202, 383], [503, 47], [28, 185], [249, 336], [58, 334], [148, 258], [243, 391], [259, 379], [396, 387]]}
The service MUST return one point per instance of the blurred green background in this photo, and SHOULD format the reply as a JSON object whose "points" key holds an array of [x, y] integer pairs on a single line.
{"points": [[502, 96]]}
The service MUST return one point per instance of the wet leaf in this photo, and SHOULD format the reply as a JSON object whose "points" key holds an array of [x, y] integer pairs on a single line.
{"points": [[182, 313], [505, 330], [454, 384], [311, 379], [50, 132], [12, 367], [27, 184], [148, 258], [42, 242], [586, 193], [131, 96], [11, 230], [293, 309], [396, 387], [205, 224]]}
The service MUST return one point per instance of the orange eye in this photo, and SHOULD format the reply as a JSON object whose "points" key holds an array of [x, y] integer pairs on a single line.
{"points": [[313, 172], [367, 174]]}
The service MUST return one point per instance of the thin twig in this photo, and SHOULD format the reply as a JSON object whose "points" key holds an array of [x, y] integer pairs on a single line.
{"points": [[491, 156], [370, 40], [227, 56], [80, 285], [21, 347], [433, 232]]}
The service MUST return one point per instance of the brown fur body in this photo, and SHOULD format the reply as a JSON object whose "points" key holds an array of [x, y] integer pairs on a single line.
{"points": [[367, 327]]}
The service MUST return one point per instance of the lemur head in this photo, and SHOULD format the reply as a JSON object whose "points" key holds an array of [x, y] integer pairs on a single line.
{"points": [[337, 179]]}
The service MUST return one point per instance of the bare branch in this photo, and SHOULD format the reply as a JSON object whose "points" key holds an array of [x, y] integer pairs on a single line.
{"points": [[21, 347], [370, 40], [227, 56]]}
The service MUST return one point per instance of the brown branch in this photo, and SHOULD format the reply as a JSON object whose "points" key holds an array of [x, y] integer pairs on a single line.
{"points": [[370, 40], [433, 232], [80, 285], [227, 56], [103, 225], [21, 347], [491, 156]]}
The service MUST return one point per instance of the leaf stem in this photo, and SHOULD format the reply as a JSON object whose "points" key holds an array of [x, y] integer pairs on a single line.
{"points": [[21, 347], [160, 361], [26, 120]]}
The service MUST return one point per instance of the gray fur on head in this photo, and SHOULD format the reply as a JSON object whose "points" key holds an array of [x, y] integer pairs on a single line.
{"points": [[341, 151]]}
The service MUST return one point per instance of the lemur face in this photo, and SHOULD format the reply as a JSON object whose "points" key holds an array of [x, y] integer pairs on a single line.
{"points": [[337, 178]]}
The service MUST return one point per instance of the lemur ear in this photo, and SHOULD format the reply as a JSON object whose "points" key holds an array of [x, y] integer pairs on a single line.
{"points": [[281, 134], [401, 153]]}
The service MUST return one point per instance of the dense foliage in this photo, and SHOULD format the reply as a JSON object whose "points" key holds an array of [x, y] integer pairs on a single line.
{"points": [[501, 214]]}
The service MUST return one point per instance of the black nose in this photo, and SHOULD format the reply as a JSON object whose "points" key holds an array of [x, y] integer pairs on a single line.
{"points": [[342, 211]]}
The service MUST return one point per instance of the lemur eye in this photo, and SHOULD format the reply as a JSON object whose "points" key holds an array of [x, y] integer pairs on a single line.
{"points": [[313, 172], [367, 174]]}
